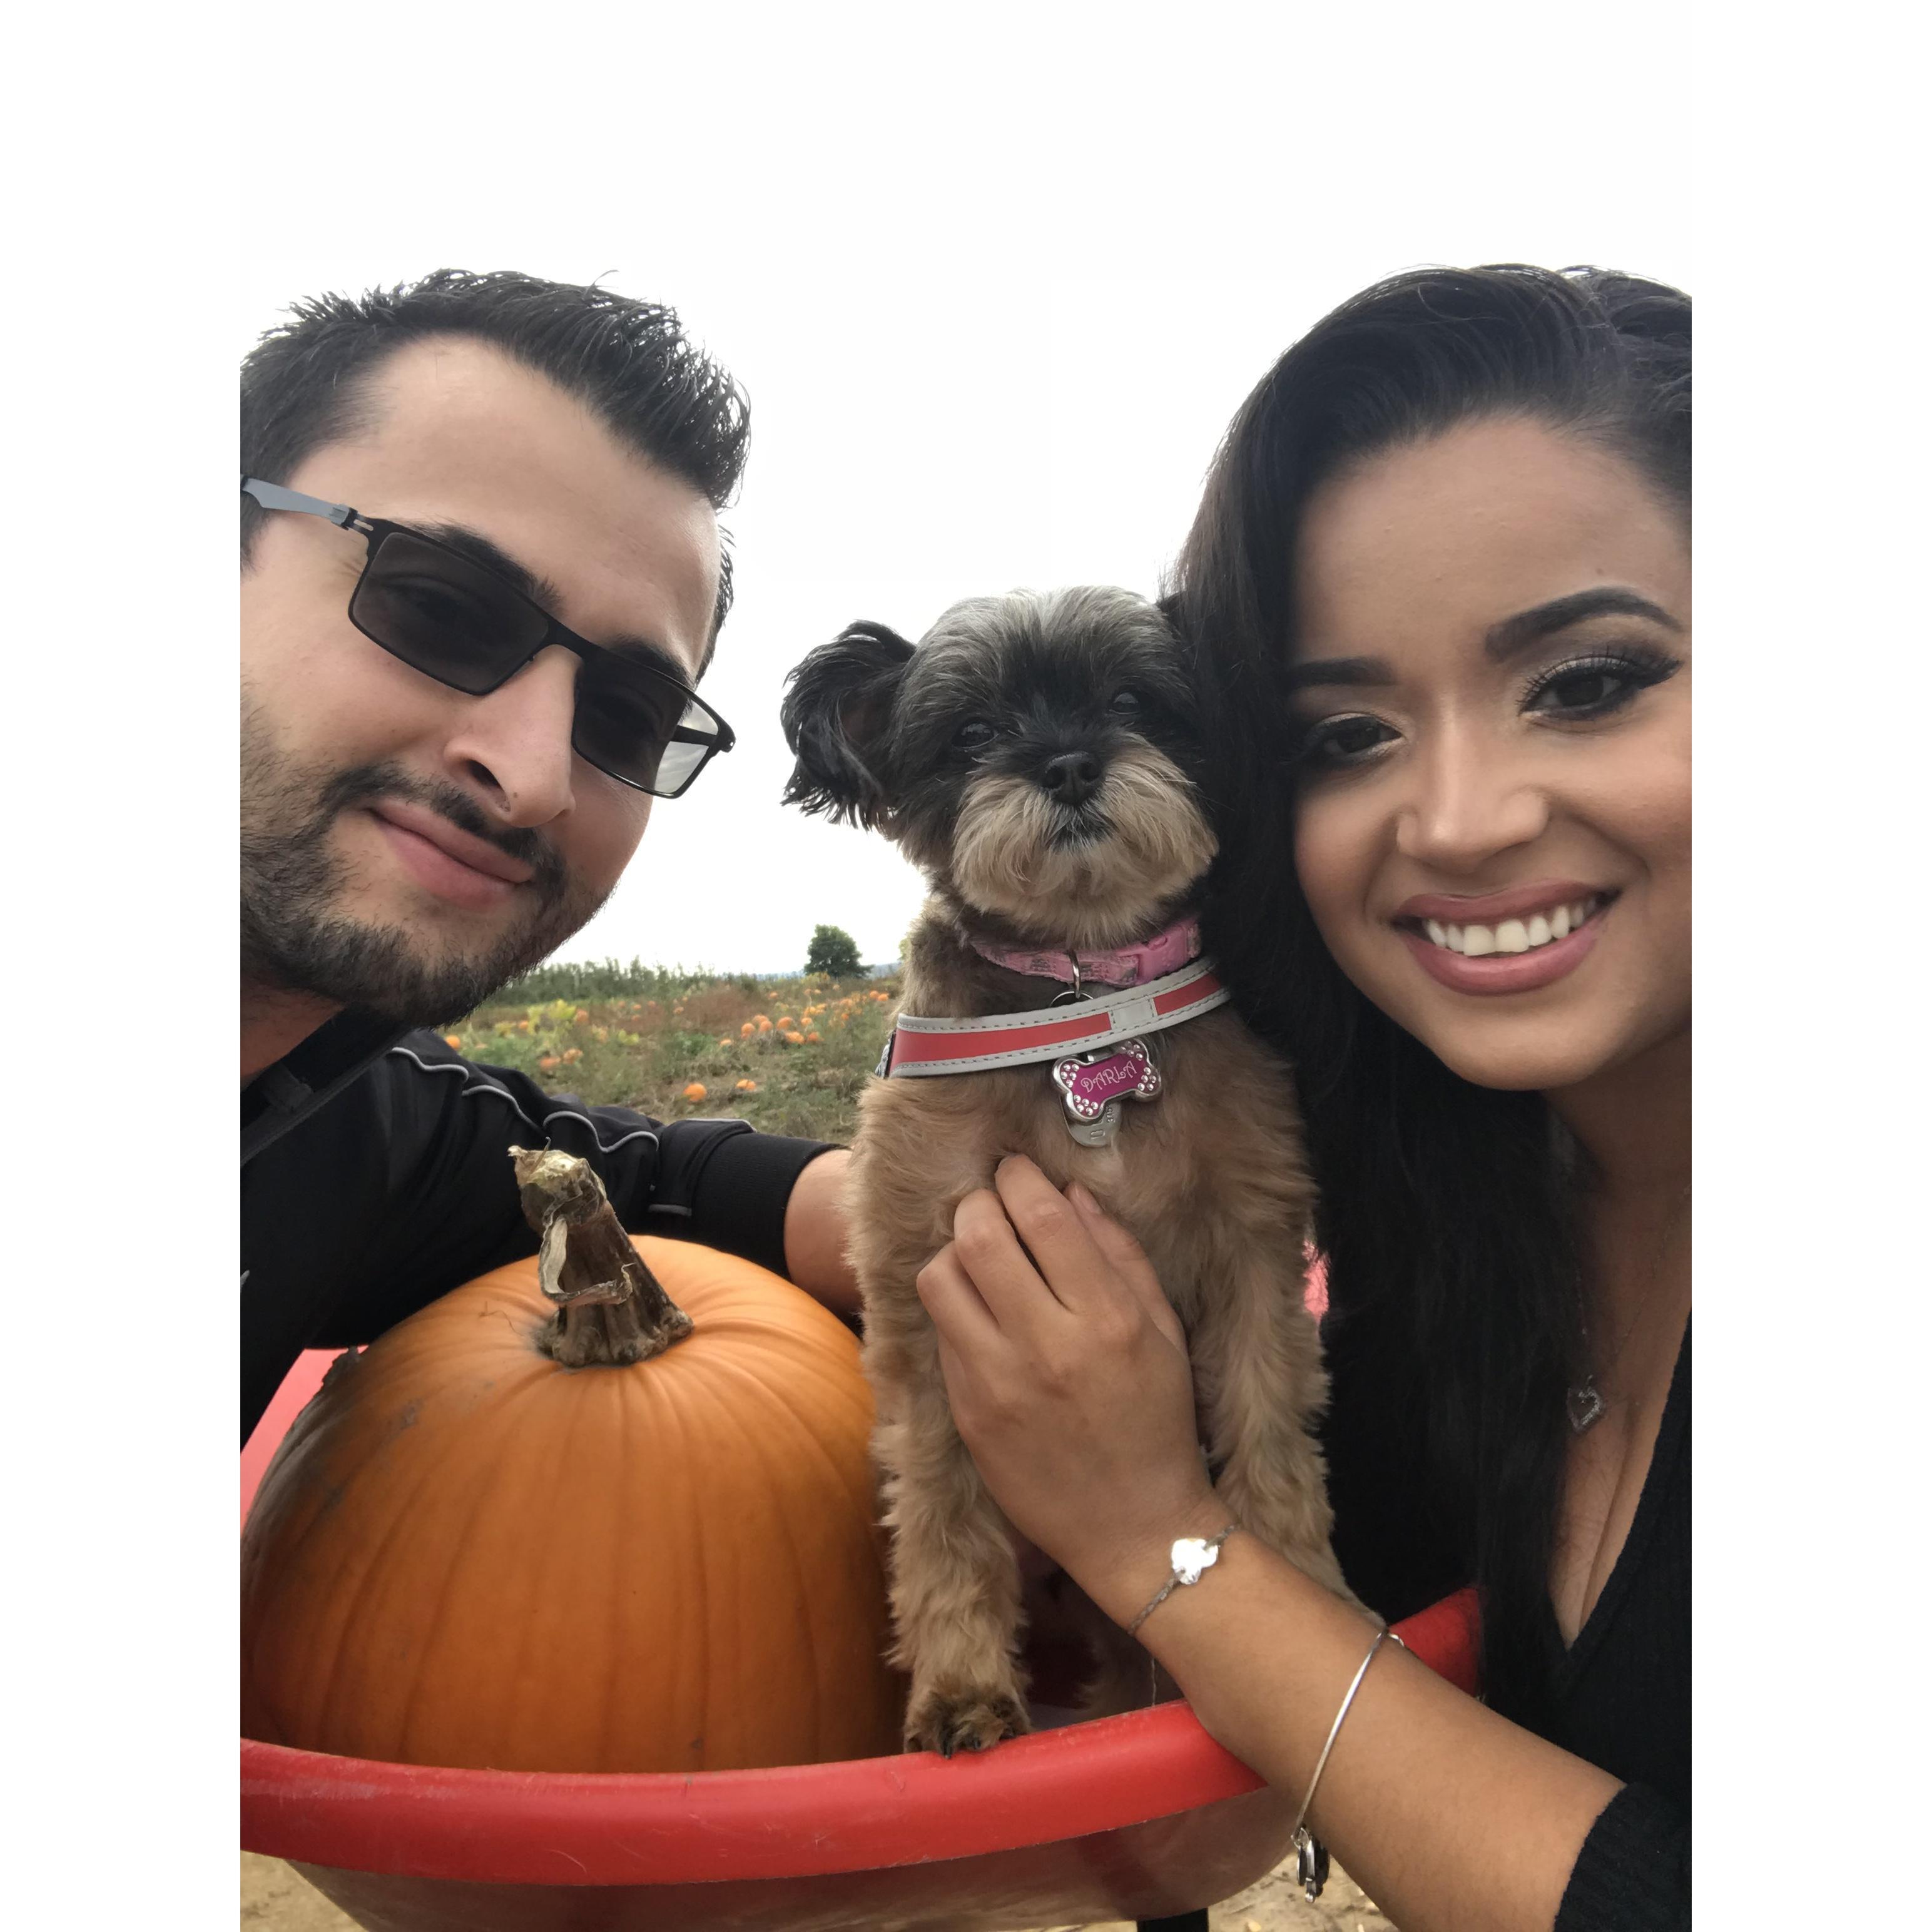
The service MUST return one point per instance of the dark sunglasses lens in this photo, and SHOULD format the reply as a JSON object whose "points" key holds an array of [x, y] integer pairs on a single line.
{"points": [[643, 729], [453, 621]]}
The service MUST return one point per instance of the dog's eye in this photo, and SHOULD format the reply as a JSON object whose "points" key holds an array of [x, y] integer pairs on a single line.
{"points": [[972, 734], [1124, 703]]}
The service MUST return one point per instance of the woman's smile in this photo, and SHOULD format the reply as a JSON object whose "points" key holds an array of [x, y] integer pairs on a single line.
{"points": [[1544, 937]]}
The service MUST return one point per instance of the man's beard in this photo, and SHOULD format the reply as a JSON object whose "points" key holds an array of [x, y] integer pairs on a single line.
{"points": [[292, 939]]}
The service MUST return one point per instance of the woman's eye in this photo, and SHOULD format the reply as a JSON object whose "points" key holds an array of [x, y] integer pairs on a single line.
{"points": [[1124, 703], [1336, 743], [1593, 687], [972, 734]]}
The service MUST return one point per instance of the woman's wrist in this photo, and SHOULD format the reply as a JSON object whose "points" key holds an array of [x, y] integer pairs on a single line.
{"points": [[1123, 1576]]}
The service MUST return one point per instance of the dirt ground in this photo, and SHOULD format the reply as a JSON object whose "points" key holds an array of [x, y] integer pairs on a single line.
{"points": [[276, 1898]]}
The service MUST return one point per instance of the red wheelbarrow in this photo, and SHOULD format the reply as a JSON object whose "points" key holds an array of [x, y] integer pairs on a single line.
{"points": [[1140, 1817]]}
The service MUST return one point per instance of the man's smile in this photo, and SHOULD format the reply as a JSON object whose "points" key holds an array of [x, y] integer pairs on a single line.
{"points": [[469, 872]]}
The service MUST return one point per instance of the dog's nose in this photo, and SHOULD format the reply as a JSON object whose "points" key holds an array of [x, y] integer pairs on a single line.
{"points": [[1073, 776]]}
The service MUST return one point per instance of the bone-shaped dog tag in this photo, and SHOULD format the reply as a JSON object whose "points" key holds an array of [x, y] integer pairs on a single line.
{"points": [[1094, 1085]]}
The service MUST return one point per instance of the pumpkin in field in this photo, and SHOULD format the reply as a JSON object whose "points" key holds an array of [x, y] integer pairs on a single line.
{"points": [[562, 1520]]}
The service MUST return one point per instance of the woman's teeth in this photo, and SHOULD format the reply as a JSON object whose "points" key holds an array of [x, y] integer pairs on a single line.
{"points": [[1513, 935]]}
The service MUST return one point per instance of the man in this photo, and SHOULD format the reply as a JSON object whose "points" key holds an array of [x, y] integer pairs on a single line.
{"points": [[481, 577]]}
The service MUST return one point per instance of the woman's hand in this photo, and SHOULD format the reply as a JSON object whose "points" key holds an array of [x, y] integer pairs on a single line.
{"points": [[1069, 1379], [1068, 1376]]}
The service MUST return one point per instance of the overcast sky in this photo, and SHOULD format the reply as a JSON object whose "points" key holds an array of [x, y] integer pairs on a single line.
{"points": [[992, 325]]}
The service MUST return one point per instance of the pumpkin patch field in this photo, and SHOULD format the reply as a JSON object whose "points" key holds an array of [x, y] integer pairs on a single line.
{"points": [[790, 1055]]}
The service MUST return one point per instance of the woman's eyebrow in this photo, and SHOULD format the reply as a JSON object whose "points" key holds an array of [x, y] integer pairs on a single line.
{"points": [[1500, 640], [1339, 671], [1512, 634]]}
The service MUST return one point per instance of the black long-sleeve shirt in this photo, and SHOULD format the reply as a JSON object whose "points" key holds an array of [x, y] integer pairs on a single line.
{"points": [[1619, 1697], [376, 1176]]}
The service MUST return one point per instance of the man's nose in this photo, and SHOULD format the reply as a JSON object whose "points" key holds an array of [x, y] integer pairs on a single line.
{"points": [[1470, 799], [514, 742]]}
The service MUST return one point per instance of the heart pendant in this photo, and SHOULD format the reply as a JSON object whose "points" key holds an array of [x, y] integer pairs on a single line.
{"points": [[1190, 1556], [1584, 1404]]}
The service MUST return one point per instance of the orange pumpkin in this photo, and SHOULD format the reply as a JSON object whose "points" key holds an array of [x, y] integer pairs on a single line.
{"points": [[465, 1553]]}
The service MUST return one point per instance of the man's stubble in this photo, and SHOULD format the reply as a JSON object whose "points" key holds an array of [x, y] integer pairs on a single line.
{"points": [[293, 939]]}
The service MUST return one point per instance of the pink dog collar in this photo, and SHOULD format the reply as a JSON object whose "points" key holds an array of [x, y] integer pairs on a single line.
{"points": [[921, 1046], [1167, 952]]}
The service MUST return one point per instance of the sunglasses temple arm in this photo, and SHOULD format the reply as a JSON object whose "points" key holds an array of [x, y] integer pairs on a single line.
{"points": [[273, 497]]}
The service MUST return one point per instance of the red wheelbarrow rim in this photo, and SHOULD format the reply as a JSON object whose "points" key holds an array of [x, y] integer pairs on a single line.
{"points": [[580, 1828], [530, 1828]]}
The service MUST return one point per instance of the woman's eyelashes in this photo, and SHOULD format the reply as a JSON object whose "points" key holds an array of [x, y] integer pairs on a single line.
{"points": [[1334, 744], [1579, 690], [1593, 685]]}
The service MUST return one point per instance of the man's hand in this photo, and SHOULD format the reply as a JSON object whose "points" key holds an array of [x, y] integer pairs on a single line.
{"points": [[814, 1233]]}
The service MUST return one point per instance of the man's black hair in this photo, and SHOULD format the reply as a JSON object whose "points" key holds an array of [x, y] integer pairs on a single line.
{"points": [[307, 383]]}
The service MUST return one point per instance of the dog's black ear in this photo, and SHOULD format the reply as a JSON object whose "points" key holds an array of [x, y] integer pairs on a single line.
{"points": [[837, 705]]}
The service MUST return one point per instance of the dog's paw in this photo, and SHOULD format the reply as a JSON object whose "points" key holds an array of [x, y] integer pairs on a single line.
{"points": [[947, 1722]]}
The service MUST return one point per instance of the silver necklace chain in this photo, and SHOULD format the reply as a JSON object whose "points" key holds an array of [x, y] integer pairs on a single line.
{"points": [[1583, 1400]]}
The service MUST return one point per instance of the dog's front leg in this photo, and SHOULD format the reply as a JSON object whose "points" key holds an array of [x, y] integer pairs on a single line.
{"points": [[956, 1579], [1261, 1385]]}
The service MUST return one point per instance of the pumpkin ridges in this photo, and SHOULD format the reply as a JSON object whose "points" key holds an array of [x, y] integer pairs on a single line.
{"points": [[353, 1624], [804, 1442], [691, 1578], [777, 1480], [630, 1473], [808, 1605], [728, 1589], [726, 1563], [457, 1581], [554, 1573], [356, 1627]]}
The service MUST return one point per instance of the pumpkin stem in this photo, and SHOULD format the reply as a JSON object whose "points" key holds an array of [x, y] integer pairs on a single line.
{"points": [[610, 1307]]}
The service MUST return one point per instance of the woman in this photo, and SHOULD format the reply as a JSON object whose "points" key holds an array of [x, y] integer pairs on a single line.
{"points": [[1442, 572]]}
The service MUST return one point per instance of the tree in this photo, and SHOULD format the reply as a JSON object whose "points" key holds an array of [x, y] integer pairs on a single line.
{"points": [[834, 951]]}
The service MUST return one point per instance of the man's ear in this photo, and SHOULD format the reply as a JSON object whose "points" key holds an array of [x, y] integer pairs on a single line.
{"points": [[837, 705]]}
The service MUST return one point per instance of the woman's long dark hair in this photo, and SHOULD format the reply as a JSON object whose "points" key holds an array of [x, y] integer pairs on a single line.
{"points": [[1447, 1209]]}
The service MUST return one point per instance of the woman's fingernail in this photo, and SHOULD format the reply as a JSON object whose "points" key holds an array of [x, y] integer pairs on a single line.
{"points": [[1082, 1199]]}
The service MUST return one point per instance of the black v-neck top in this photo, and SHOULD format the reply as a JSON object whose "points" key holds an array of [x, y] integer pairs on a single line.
{"points": [[1618, 1698]]}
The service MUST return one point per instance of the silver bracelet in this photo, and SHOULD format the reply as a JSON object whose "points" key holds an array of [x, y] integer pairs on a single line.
{"points": [[1189, 1558], [1311, 1855]]}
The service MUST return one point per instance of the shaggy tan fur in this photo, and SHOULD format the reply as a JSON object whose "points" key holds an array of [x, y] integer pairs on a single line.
{"points": [[1094, 893], [1211, 1179]]}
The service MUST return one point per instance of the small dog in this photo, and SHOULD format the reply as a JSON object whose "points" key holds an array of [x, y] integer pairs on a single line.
{"points": [[1040, 757]]}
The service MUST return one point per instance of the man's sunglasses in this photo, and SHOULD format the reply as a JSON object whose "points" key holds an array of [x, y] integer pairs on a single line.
{"points": [[467, 627]]}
